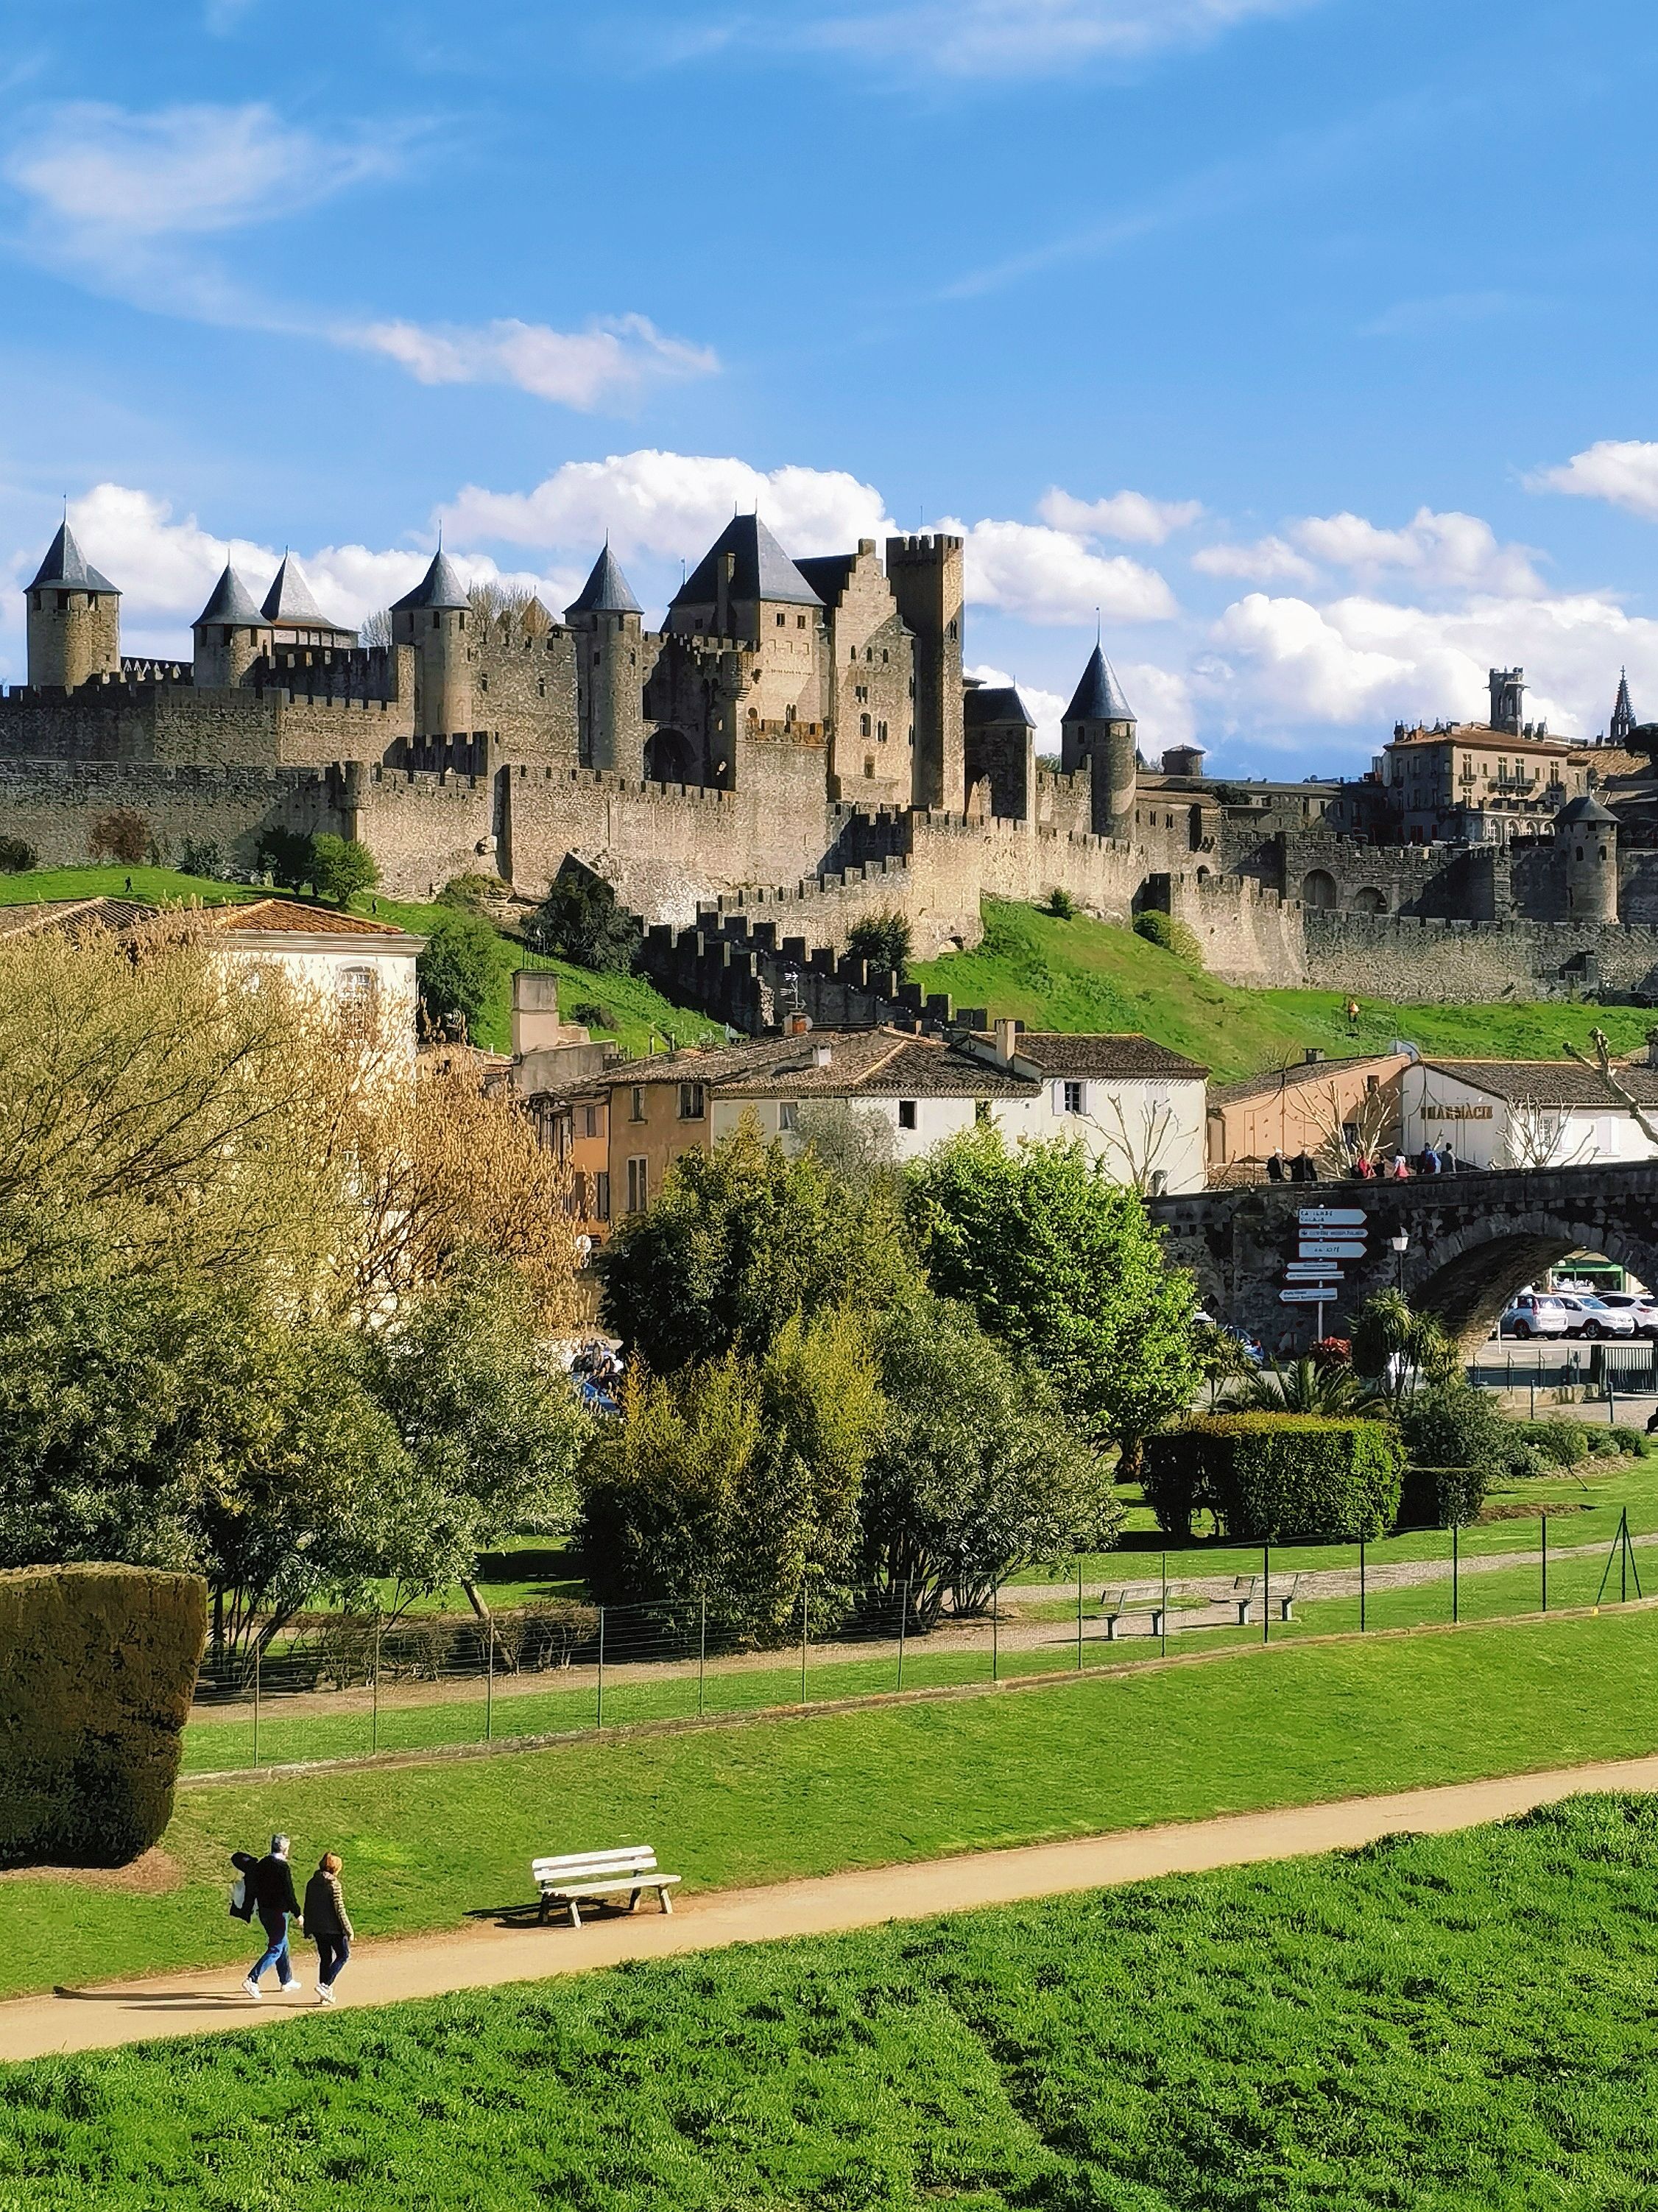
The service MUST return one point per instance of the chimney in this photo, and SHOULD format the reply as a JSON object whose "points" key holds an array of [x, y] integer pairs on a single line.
{"points": [[535, 1011], [822, 1055], [796, 1024], [1005, 1033]]}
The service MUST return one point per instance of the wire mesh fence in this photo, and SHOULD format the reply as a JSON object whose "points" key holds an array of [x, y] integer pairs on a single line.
{"points": [[345, 1686]]}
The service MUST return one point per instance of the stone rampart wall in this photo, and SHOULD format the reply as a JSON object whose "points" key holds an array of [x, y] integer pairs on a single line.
{"points": [[54, 806]]}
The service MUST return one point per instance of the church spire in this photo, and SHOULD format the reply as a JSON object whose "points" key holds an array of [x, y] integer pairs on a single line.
{"points": [[1621, 728]]}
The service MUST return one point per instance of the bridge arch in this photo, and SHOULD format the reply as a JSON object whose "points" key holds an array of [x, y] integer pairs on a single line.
{"points": [[1469, 1275]]}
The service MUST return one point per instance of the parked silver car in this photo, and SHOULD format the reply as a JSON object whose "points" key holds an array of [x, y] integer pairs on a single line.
{"points": [[1536, 1313]]}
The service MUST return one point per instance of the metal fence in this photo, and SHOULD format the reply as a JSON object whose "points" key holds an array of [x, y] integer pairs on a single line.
{"points": [[352, 1686]]}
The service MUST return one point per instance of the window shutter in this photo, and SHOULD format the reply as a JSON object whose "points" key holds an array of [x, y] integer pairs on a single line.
{"points": [[1058, 1098]]}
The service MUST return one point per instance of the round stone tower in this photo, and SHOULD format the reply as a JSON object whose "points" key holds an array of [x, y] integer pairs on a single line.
{"points": [[232, 634], [74, 619], [436, 619], [609, 621], [1098, 730], [1587, 832]]}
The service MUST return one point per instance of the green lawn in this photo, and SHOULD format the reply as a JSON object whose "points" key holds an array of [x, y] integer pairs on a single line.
{"points": [[1459, 2020], [636, 1012], [1085, 975], [427, 1844]]}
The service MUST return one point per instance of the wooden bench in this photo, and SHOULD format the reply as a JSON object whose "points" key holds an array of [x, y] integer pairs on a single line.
{"points": [[602, 1875], [1118, 1606]]}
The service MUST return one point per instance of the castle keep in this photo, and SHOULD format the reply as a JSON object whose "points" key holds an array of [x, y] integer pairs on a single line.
{"points": [[797, 746]]}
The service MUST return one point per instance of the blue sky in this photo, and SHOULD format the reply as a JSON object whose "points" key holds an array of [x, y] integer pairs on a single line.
{"points": [[1309, 339]]}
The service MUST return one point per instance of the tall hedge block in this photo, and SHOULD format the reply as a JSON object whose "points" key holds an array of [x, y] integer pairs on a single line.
{"points": [[97, 1668], [1276, 1478]]}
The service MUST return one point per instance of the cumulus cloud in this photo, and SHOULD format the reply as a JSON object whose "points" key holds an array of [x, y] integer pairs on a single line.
{"points": [[1128, 516], [1623, 471], [1266, 561], [1452, 552], [607, 362], [671, 505], [996, 39], [1050, 576], [1045, 706]]}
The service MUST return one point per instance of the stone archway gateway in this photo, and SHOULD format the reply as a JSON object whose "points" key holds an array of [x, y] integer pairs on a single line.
{"points": [[1473, 1240]]}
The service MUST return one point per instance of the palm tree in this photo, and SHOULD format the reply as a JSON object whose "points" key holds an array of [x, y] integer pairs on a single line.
{"points": [[1305, 1388]]}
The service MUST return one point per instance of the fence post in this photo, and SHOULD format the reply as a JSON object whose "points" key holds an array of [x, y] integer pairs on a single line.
{"points": [[256, 1697], [1361, 1586], [1265, 1593], [1163, 1617], [1623, 1559], [1079, 1611], [598, 1718], [903, 1610], [1545, 1563], [489, 1687], [995, 1626], [702, 1655], [805, 1604], [375, 1708], [1456, 1577]]}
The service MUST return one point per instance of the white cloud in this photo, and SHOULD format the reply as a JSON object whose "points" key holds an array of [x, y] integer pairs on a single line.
{"points": [[1445, 551], [96, 174], [1044, 575], [671, 505], [1265, 561], [1025, 38], [585, 369], [1130, 516], [1162, 703], [1623, 471], [1046, 707]]}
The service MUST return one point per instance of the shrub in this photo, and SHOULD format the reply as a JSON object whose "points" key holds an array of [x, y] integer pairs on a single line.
{"points": [[340, 867], [16, 856], [288, 857], [1276, 1477], [121, 835], [591, 1015], [582, 919], [199, 856], [882, 941], [1633, 1441], [471, 893], [1061, 905], [1559, 1443], [462, 964], [1454, 1425], [101, 1667], [1161, 929]]}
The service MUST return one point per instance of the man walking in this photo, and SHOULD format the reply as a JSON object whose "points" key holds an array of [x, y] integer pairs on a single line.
{"points": [[271, 1888]]}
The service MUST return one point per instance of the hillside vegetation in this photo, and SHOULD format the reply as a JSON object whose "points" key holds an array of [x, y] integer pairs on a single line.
{"points": [[636, 1012], [1085, 974], [1445, 2020]]}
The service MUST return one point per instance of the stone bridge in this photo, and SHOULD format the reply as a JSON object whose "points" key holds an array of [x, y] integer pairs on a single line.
{"points": [[1474, 1240]]}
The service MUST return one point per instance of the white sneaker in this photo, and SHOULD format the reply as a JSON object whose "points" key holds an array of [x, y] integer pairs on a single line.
{"points": [[251, 1988], [293, 1989], [325, 1995]]}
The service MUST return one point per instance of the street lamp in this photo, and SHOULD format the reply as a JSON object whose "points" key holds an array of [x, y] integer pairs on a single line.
{"points": [[1401, 1241]]}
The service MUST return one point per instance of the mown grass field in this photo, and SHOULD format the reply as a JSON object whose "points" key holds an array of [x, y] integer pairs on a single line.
{"points": [[1464, 2020], [636, 1014], [1085, 975], [425, 1845]]}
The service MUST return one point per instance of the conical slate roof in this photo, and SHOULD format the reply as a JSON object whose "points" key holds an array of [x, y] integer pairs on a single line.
{"points": [[1098, 698], [1576, 811], [606, 591], [289, 599], [67, 565], [232, 603], [763, 570], [440, 587]]}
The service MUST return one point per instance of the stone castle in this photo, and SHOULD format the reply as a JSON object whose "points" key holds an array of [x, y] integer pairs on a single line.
{"points": [[798, 747]]}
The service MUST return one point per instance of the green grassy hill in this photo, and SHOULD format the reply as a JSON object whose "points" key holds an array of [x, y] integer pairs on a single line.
{"points": [[1085, 975], [635, 1011]]}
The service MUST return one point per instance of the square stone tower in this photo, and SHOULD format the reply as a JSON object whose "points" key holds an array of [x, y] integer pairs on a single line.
{"points": [[926, 578]]}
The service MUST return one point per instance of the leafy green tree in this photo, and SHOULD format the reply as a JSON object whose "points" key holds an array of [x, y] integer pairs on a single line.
{"points": [[340, 867], [1061, 1265], [462, 964], [734, 1483], [1453, 1424], [741, 1238], [582, 919], [976, 1473], [1396, 1351], [883, 940]]}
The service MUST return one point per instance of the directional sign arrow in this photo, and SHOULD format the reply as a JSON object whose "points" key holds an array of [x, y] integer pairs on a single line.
{"points": [[1305, 1294], [1330, 1248], [1331, 1216]]}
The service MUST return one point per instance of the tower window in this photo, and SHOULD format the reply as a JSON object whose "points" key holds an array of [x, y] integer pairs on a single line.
{"points": [[799, 622], [863, 731], [881, 732], [781, 620], [906, 1113]]}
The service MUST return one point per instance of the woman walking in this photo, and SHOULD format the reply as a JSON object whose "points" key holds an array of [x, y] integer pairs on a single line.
{"points": [[327, 1923]]}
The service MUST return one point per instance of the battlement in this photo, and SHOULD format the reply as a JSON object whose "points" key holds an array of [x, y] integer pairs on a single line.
{"points": [[927, 546], [139, 670]]}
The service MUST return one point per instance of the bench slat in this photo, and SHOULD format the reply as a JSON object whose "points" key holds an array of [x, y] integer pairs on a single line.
{"points": [[616, 1861], [596, 1888]]}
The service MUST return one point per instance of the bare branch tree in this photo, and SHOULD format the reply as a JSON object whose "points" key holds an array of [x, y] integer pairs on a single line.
{"points": [[1140, 1145], [1601, 1067], [1535, 1138]]}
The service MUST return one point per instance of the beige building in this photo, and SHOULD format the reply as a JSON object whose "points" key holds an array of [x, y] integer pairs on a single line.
{"points": [[1471, 784], [1329, 1108], [1526, 1113]]}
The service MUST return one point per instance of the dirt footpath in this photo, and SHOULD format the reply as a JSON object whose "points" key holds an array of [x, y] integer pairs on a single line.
{"points": [[201, 2003]]}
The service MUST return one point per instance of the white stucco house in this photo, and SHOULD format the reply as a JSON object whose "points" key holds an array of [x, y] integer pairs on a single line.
{"points": [[1525, 1113], [1134, 1104]]}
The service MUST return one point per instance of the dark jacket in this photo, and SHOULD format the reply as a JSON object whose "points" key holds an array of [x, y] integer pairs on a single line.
{"points": [[270, 1884], [325, 1906]]}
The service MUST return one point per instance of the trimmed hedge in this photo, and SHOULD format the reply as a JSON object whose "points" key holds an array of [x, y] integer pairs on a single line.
{"points": [[1277, 1477], [1441, 1496], [97, 1668]]}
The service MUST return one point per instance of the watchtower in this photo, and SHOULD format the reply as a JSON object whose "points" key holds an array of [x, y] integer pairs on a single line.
{"points": [[608, 622], [436, 619], [1587, 834], [74, 619], [1508, 688], [926, 577], [232, 634], [1098, 730]]}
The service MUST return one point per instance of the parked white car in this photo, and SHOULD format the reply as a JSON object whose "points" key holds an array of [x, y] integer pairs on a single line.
{"points": [[1536, 1313], [1592, 1317], [1642, 1310]]}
